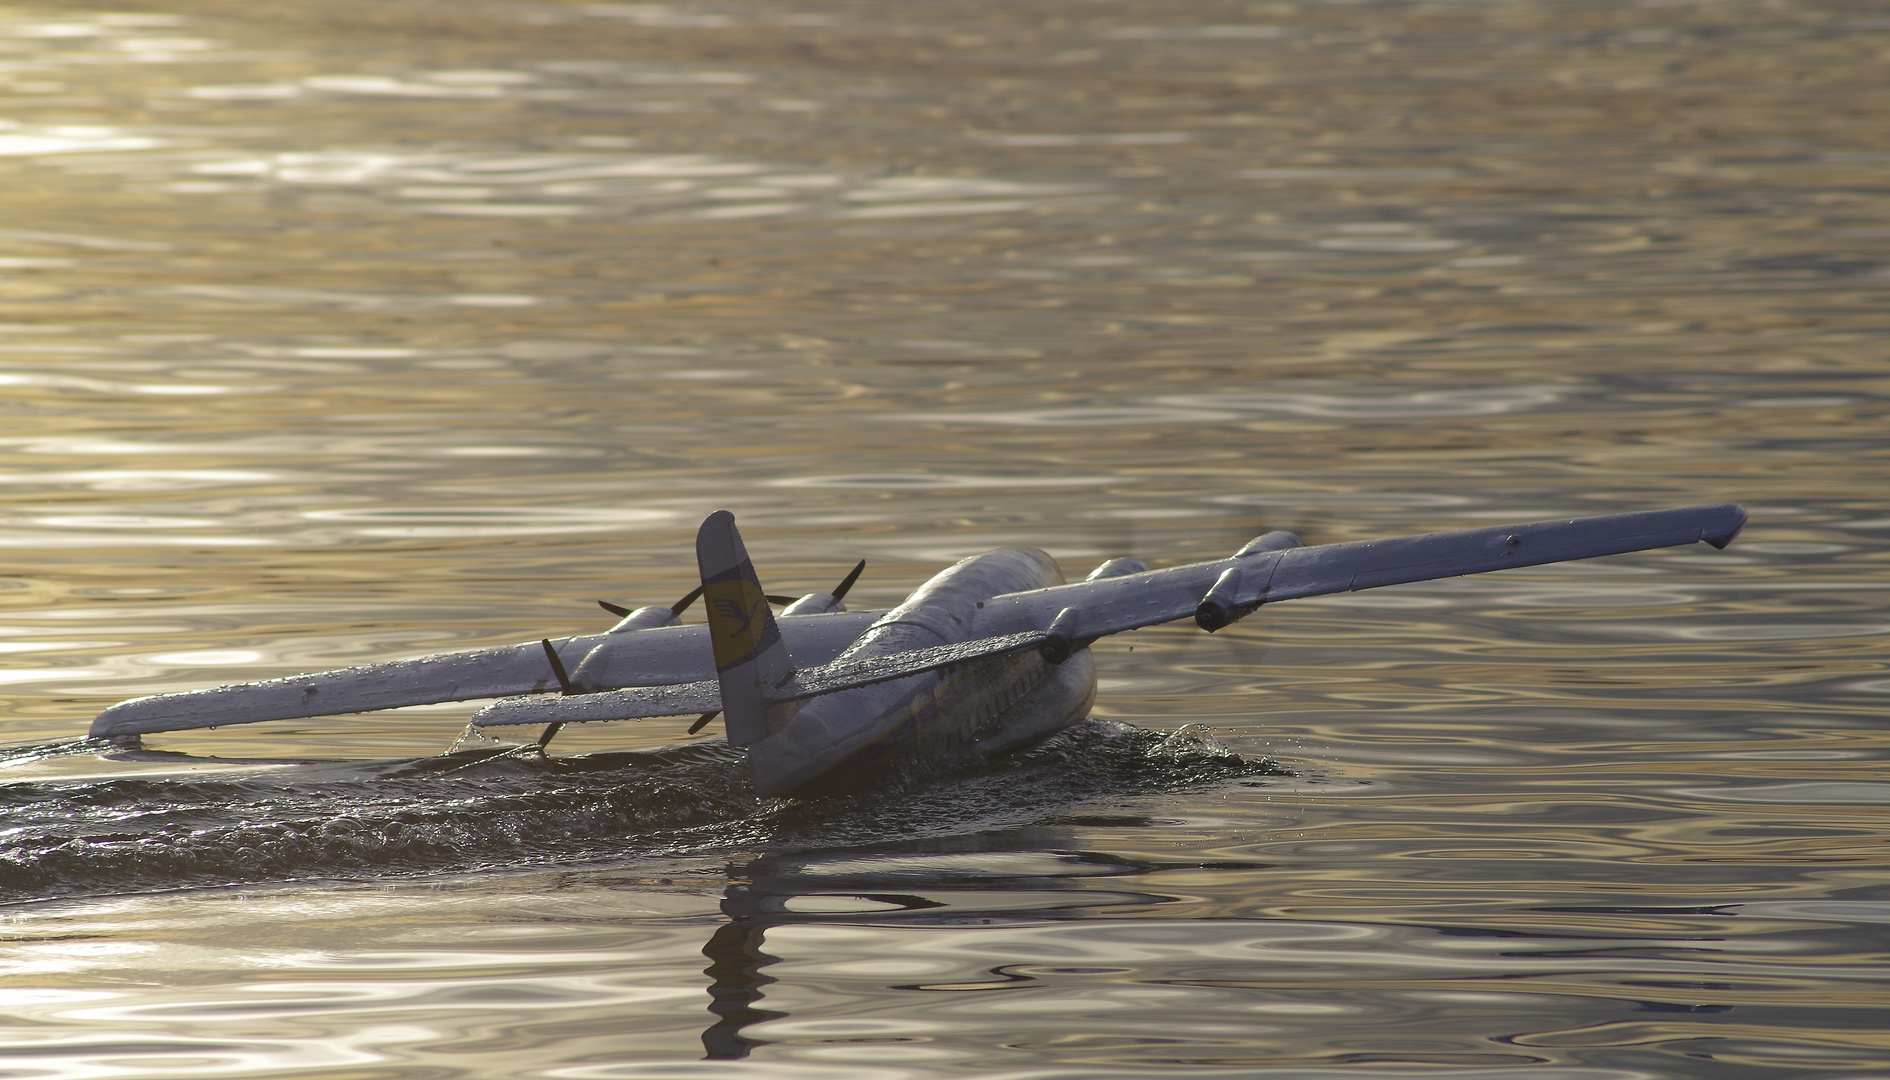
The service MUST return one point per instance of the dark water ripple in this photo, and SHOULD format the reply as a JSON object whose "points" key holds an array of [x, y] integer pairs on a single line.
{"points": [[490, 809]]}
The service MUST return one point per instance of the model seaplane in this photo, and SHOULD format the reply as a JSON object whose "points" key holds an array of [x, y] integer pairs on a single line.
{"points": [[990, 655]]}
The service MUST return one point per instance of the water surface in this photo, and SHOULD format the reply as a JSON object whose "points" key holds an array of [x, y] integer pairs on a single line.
{"points": [[333, 332]]}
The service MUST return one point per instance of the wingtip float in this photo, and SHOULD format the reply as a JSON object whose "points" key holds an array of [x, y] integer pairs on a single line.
{"points": [[988, 656]]}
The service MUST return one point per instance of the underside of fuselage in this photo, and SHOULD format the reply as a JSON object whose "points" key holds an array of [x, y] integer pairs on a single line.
{"points": [[969, 715]]}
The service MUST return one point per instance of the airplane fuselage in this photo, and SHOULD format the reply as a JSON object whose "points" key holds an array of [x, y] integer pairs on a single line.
{"points": [[973, 711]]}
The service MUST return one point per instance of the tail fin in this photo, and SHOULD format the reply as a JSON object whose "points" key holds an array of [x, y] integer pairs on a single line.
{"points": [[750, 659]]}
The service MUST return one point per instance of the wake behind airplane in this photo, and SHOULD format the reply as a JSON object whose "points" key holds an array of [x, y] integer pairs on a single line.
{"points": [[990, 655]]}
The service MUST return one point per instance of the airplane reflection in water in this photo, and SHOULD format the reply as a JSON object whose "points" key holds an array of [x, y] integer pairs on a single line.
{"points": [[1047, 905], [989, 656], [881, 888]]}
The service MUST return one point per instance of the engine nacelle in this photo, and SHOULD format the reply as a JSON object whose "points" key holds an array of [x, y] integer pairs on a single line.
{"points": [[1063, 640], [1277, 540], [1223, 604], [1117, 568], [1227, 602], [814, 603], [644, 618]]}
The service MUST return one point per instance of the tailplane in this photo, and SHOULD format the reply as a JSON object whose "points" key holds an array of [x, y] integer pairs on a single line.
{"points": [[750, 659]]}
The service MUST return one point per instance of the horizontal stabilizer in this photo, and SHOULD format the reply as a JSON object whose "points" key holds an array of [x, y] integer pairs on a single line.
{"points": [[635, 703], [680, 700], [847, 674]]}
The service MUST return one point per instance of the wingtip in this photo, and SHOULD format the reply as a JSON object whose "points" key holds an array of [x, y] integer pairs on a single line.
{"points": [[123, 715], [1732, 518]]}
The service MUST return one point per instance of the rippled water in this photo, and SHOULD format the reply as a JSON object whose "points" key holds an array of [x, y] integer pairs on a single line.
{"points": [[334, 331]]}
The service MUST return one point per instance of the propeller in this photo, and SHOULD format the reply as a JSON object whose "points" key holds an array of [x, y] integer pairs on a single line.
{"points": [[557, 668], [564, 687], [676, 608], [564, 680], [680, 606], [853, 575]]}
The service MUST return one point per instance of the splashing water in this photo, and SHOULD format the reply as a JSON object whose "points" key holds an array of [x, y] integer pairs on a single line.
{"points": [[481, 809]]}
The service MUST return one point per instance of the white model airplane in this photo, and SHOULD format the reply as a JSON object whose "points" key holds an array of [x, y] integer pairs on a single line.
{"points": [[990, 655]]}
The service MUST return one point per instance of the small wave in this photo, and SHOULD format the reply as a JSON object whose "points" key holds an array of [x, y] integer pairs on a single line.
{"points": [[488, 809], [11, 755]]}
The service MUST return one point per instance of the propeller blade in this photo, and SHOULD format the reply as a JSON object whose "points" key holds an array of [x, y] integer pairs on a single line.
{"points": [[840, 590], [544, 739], [557, 668], [615, 609], [779, 600], [682, 605], [703, 721]]}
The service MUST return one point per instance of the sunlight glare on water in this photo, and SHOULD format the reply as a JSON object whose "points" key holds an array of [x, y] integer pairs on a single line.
{"points": [[336, 332]]}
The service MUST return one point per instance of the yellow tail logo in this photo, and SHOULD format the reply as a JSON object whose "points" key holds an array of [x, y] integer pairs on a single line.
{"points": [[736, 609]]}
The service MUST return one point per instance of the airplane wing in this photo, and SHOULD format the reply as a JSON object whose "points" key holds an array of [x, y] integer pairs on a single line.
{"points": [[1064, 617], [1113, 605], [671, 669], [659, 655]]}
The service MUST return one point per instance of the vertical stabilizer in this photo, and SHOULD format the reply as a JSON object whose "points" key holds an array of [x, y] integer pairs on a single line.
{"points": [[750, 659]]}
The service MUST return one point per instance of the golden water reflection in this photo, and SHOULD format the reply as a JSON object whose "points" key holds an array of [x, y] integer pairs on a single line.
{"points": [[333, 332]]}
